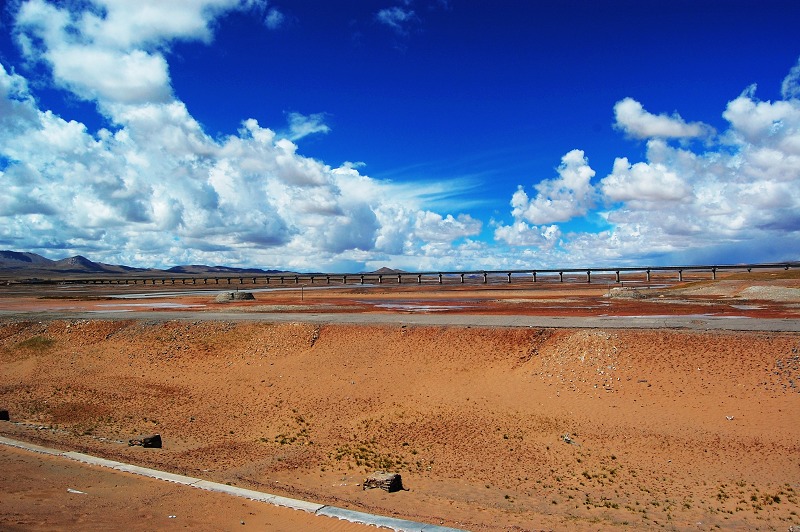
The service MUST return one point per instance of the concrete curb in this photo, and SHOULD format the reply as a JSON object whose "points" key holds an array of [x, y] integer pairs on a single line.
{"points": [[400, 525]]}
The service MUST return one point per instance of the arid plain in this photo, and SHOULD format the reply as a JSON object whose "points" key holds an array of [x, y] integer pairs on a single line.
{"points": [[491, 428]]}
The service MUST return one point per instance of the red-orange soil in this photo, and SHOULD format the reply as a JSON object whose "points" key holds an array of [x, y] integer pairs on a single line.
{"points": [[491, 429]]}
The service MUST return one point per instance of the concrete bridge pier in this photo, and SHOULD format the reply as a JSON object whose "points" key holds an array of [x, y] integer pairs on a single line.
{"points": [[589, 276], [648, 276], [680, 275], [534, 276], [561, 277], [380, 279], [485, 277], [362, 279], [714, 273], [328, 279], [296, 279], [399, 278], [344, 279], [617, 277], [462, 278], [419, 278], [509, 277], [440, 278]]}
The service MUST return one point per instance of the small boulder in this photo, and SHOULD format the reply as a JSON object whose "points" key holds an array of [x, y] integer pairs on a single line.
{"points": [[386, 481], [4, 415], [151, 441]]}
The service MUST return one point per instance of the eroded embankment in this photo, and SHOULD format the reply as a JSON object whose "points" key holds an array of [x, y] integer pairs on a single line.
{"points": [[664, 427]]}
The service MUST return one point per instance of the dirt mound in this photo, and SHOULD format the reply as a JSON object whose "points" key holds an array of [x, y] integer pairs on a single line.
{"points": [[623, 292], [771, 293], [665, 427], [226, 297]]}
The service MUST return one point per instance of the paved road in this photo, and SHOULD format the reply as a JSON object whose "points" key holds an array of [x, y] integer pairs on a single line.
{"points": [[463, 320]]}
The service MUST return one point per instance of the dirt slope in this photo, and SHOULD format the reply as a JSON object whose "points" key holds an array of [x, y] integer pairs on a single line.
{"points": [[665, 428]]}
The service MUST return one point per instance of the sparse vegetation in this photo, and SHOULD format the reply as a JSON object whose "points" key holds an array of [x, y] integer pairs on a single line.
{"points": [[36, 343]]}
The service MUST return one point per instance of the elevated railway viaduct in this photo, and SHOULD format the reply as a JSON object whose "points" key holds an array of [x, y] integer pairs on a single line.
{"points": [[585, 275]]}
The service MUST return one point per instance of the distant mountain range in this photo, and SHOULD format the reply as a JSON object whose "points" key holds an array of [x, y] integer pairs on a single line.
{"points": [[24, 264]]}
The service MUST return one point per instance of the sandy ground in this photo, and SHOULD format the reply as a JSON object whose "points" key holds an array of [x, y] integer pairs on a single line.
{"points": [[491, 429], [47, 493]]}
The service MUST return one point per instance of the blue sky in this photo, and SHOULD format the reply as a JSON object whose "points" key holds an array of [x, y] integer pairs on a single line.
{"points": [[424, 135]]}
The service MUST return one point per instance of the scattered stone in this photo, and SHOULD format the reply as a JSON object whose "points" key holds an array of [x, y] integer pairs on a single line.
{"points": [[225, 297], [4, 415], [386, 481], [151, 441]]}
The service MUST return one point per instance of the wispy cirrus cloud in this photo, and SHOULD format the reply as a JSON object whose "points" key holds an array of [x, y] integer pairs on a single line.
{"points": [[301, 125], [398, 18]]}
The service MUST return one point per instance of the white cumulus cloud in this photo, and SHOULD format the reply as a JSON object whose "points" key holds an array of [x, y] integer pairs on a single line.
{"points": [[632, 118], [737, 200], [790, 88], [563, 198], [643, 182], [156, 189]]}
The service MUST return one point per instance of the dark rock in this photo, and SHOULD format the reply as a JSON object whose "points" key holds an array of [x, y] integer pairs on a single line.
{"points": [[4, 415], [152, 441], [386, 481]]}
